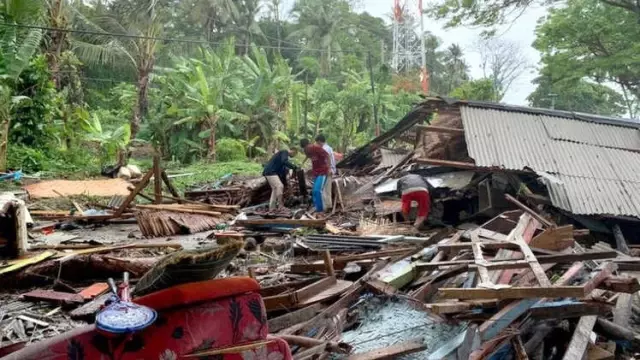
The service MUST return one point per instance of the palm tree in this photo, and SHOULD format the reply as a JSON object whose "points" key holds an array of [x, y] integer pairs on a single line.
{"points": [[320, 23], [243, 21], [456, 68], [17, 46], [136, 51]]}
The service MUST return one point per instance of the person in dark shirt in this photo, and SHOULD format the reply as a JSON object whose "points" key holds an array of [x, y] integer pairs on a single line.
{"points": [[412, 188], [276, 173], [320, 167]]}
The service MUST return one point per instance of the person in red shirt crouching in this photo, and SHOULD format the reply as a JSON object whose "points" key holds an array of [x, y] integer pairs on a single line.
{"points": [[415, 188], [320, 165]]}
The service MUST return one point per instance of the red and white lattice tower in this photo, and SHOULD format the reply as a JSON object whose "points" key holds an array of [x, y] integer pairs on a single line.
{"points": [[408, 40]]}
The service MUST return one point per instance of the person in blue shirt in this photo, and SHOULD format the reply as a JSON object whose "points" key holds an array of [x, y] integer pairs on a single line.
{"points": [[276, 171], [326, 189]]}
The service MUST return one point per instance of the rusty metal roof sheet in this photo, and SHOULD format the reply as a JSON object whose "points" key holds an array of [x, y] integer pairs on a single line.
{"points": [[596, 165]]}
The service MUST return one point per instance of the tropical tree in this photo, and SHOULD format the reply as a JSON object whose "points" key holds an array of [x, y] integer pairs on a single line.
{"points": [[455, 68], [320, 25], [480, 90], [208, 87], [580, 41], [136, 50], [576, 95], [271, 97], [17, 46]]}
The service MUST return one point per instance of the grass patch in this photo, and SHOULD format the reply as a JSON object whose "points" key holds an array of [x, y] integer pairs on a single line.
{"points": [[205, 173]]}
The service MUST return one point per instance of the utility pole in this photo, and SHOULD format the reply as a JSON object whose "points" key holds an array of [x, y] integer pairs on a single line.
{"points": [[373, 92]]}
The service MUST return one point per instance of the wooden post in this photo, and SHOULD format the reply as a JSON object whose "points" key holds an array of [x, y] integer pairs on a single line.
{"points": [[172, 189], [252, 272], [157, 179], [328, 263], [621, 243]]}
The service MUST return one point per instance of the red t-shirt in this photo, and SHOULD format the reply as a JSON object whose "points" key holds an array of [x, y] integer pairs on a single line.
{"points": [[319, 159]]}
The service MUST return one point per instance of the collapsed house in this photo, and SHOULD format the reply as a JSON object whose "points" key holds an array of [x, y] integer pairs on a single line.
{"points": [[582, 167]]}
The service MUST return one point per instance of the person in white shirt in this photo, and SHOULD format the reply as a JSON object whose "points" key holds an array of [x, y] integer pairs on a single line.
{"points": [[326, 190]]}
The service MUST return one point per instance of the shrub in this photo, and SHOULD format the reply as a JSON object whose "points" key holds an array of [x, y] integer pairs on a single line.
{"points": [[230, 150]]}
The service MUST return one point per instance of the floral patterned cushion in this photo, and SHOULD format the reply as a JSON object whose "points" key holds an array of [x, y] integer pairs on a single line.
{"points": [[222, 323]]}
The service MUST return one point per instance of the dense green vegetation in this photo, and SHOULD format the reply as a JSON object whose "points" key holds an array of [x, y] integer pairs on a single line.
{"points": [[85, 83]]}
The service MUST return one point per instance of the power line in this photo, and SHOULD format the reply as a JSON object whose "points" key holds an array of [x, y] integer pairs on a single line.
{"points": [[189, 41]]}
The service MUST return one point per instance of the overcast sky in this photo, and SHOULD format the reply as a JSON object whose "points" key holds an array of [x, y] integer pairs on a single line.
{"points": [[521, 31]]}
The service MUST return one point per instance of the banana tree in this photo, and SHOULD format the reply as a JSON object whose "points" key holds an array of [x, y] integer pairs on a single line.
{"points": [[272, 98], [17, 46], [208, 86]]}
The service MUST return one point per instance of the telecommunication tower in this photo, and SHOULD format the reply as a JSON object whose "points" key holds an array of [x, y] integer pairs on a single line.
{"points": [[408, 52]]}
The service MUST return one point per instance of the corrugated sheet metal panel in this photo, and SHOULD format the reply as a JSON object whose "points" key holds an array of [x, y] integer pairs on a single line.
{"points": [[507, 139], [389, 158], [597, 177], [592, 133], [585, 196]]}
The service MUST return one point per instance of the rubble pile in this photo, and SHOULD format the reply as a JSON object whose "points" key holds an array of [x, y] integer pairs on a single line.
{"points": [[529, 250]]}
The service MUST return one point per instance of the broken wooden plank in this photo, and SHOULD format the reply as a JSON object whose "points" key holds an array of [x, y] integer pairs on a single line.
{"points": [[453, 164], [568, 309], [440, 129], [94, 290], [512, 292], [443, 308], [292, 222], [620, 284], [393, 351], [580, 338], [554, 238], [543, 259], [531, 212], [623, 312], [53, 296], [508, 314], [127, 201], [525, 229], [479, 260], [26, 262], [284, 321]]}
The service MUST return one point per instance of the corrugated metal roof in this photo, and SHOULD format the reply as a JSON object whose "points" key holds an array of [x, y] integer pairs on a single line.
{"points": [[597, 175], [389, 158]]}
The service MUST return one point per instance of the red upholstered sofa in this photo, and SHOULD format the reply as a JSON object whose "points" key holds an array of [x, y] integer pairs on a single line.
{"points": [[213, 315]]}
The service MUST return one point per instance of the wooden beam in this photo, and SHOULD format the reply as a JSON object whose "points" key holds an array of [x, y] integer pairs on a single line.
{"points": [[580, 339], [508, 314], [512, 292], [619, 284], [393, 351], [141, 185], [525, 228], [440, 129], [529, 211], [517, 264], [623, 312], [328, 263], [480, 261], [453, 164], [442, 308], [568, 309]]}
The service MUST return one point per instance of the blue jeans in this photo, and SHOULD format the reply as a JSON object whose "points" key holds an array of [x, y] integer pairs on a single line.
{"points": [[316, 193]]}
